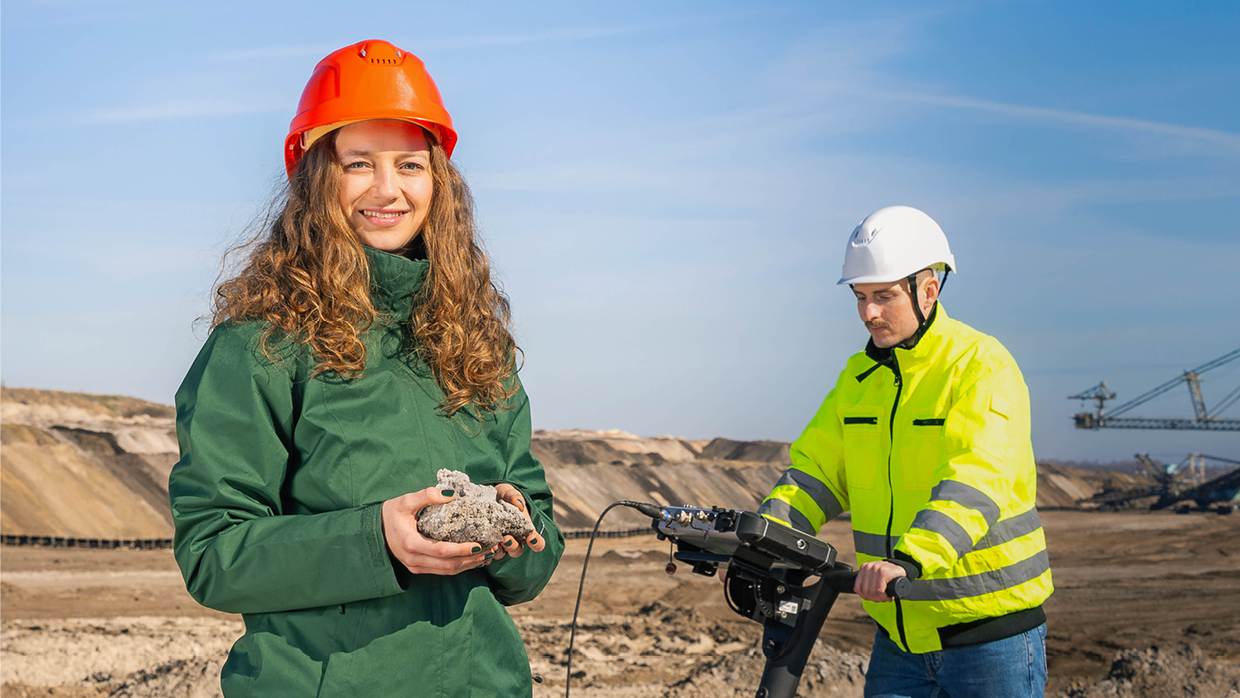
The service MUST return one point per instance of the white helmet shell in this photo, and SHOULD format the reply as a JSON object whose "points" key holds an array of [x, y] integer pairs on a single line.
{"points": [[892, 243]]}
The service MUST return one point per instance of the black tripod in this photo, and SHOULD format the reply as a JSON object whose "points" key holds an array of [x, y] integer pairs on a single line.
{"points": [[784, 579], [791, 613]]}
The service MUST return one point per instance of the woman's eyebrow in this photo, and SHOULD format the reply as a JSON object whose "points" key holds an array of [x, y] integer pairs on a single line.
{"points": [[358, 152]]}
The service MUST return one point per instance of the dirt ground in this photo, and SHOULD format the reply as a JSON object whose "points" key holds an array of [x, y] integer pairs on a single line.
{"points": [[1159, 591]]}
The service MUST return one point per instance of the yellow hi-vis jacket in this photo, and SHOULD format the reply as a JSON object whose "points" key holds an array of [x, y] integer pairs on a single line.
{"points": [[929, 449]]}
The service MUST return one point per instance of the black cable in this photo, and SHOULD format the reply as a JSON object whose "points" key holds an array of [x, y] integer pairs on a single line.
{"points": [[1226, 402], [650, 510]]}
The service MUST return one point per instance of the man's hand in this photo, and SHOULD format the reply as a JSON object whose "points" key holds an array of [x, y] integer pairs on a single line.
{"points": [[510, 546], [873, 578], [419, 554]]}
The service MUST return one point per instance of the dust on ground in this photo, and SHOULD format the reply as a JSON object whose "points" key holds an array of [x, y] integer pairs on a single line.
{"points": [[1146, 604]]}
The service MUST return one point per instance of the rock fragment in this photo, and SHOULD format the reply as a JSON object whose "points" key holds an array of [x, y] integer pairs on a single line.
{"points": [[473, 516]]}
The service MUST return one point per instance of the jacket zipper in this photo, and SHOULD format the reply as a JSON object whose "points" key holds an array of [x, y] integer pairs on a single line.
{"points": [[891, 492]]}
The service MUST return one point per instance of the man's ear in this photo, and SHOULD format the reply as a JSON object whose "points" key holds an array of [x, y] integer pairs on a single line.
{"points": [[931, 289]]}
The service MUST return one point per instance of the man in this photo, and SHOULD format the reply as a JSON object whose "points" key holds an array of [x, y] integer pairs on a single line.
{"points": [[925, 439]]}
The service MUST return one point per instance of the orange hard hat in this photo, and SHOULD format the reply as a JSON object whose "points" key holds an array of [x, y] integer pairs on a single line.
{"points": [[368, 80]]}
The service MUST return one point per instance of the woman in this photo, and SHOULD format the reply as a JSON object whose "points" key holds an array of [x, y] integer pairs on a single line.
{"points": [[361, 348]]}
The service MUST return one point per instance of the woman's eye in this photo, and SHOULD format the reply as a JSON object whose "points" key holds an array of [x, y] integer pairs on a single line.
{"points": [[355, 165], [413, 166]]}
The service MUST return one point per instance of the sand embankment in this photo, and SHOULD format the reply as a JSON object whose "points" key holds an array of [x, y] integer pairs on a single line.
{"points": [[1145, 601], [97, 466], [1145, 605], [86, 466]]}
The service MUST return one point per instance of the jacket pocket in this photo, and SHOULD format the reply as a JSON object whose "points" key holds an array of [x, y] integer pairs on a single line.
{"points": [[862, 445], [920, 457], [401, 663], [243, 664], [265, 663]]}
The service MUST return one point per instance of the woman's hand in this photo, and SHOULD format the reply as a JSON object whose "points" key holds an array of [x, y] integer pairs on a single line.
{"points": [[422, 555], [510, 546]]}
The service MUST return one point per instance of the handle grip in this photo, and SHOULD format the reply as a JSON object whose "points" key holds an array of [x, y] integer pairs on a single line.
{"points": [[843, 581]]}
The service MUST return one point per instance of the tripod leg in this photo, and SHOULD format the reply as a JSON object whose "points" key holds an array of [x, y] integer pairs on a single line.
{"points": [[783, 671]]}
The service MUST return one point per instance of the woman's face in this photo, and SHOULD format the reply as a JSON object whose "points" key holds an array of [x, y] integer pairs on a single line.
{"points": [[386, 187]]}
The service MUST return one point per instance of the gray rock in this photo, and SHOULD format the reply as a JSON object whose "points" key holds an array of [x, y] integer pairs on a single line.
{"points": [[194, 677], [473, 516]]}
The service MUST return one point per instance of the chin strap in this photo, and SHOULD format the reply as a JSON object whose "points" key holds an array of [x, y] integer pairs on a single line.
{"points": [[912, 293], [921, 318]]}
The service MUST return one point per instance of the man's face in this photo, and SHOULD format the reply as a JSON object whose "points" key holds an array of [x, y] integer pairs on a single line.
{"points": [[887, 311]]}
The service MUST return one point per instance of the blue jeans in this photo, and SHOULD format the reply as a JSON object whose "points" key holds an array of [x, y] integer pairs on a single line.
{"points": [[1013, 667]]}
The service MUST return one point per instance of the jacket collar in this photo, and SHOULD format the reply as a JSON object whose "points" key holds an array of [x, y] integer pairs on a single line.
{"points": [[395, 282], [923, 347]]}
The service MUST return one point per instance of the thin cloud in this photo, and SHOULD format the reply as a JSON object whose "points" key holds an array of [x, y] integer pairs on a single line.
{"points": [[190, 109], [272, 52], [175, 110], [54, 4], [465, 42], [566, 35], [852, 59], [461, 42], [1226, 139]]}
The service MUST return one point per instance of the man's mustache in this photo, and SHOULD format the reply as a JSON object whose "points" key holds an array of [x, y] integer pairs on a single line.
{"points": [[877, 325]]}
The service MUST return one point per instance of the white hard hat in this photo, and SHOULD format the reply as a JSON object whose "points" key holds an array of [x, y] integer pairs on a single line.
{"points": [[892, 243]]}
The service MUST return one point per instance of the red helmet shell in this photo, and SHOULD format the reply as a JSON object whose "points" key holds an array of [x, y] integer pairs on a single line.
{"points": [[368, 80]]}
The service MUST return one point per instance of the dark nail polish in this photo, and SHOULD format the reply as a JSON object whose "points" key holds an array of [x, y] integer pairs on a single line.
{"points": [[448, 493], [488, 556], [510, 543], [476, 549], [533, 540]]}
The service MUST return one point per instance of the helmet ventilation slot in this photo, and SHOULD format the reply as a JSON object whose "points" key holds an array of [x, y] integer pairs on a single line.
{"points": [[382, 54]]}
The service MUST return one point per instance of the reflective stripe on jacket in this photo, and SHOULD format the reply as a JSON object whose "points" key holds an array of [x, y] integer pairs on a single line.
{"points": [[930, 451]]}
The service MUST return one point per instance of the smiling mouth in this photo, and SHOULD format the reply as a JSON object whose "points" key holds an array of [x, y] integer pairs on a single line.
{"points": [[383, 215]]}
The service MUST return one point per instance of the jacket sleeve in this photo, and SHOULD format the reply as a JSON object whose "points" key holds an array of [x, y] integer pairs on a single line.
{"points": [[517, 580], [238, 549], [813, 491], [985, 451]]}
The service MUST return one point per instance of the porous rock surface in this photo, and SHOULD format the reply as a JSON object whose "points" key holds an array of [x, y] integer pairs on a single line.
{"points": [[1165, 671], [473, 516]]}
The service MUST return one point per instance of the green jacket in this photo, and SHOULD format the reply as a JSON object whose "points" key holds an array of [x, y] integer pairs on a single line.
{"points": [[277, 502], [929, 449]]}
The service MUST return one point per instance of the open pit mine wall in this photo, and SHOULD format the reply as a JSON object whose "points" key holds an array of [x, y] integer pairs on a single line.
{"points": [[583, 491], [587, 471], [84, 466], [90, 466]]}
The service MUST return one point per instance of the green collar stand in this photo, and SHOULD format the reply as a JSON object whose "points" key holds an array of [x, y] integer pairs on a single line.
{"points": [[395, 282]]}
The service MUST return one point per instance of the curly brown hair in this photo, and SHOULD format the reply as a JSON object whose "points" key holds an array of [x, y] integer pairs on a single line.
{"points": [[306, 275]]}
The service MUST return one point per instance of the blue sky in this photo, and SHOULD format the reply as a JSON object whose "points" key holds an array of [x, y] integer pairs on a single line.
{"points": [[665, 189]]}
